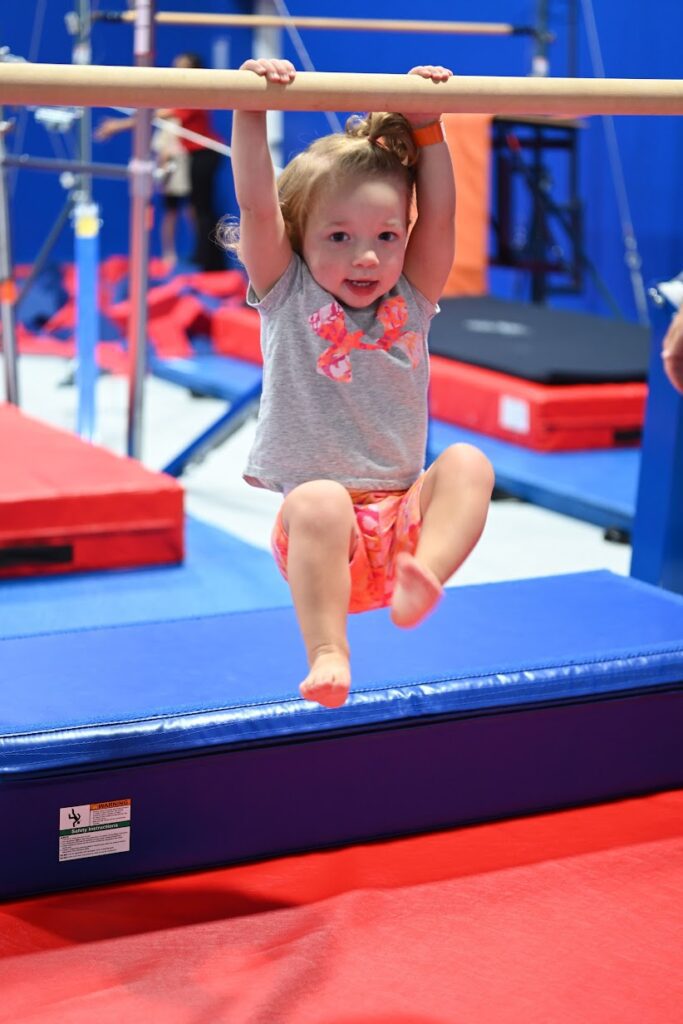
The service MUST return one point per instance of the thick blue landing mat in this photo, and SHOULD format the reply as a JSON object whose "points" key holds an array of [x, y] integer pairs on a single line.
{"points": [[109, 695], [220, 574], [598, 486]]}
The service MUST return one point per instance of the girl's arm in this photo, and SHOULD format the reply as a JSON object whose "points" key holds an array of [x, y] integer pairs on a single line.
{"points": [[264, 246], [431, 245]]}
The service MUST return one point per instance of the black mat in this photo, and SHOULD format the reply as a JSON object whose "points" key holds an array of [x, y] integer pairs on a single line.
{"points": [[538, 343]]}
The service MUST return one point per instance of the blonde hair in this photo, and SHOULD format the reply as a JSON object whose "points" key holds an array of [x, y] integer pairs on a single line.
{"points": [[375, 146]]}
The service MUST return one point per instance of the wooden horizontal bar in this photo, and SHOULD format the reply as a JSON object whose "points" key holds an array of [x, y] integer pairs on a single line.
{"points": [[98, 86], [470, 28]]}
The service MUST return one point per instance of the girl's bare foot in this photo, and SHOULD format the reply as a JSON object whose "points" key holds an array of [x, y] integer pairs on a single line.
{"points": [[416, 591], [329, 680]]}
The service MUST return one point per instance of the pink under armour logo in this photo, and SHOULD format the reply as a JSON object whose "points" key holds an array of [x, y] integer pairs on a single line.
{"points": [[329, 323]]}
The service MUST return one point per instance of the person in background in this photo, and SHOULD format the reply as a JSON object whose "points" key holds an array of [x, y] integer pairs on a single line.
{"points": [[173, 161], [204, 165]]}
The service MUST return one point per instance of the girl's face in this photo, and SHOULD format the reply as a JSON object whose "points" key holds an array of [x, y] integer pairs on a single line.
{"points": [[355, 238]]}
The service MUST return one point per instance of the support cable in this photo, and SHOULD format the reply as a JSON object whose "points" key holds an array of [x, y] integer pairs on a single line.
{"points": [[22, 119], [305, 58], [631, 252]]}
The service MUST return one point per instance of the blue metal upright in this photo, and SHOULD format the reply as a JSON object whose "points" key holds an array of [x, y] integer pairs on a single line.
{"points": [[658, 527], [242, 408], [87, 228]]}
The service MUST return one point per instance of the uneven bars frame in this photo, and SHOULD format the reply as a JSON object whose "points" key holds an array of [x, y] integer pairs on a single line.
{"points": [[79, 167], [470, 28], [143, 87]]}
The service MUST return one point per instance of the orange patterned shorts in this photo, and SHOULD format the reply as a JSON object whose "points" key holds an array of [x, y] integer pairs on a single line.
{"points": [[387, 522]]}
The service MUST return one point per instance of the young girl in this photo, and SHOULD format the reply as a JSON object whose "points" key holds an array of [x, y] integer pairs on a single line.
{"points": [[346, 293]]}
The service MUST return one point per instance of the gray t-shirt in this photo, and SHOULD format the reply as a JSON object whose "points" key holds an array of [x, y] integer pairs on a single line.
{"points": [[344, 390]]}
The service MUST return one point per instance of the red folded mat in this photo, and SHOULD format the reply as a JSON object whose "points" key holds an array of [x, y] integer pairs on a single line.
{"points": [[69, 506]]}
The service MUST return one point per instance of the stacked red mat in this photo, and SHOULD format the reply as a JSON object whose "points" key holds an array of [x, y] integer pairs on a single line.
{"points": [[540, 416], [179, 306], [542, 377], [68, 506]]}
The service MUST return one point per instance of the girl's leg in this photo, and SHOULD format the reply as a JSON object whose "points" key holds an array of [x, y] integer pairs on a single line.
{"points": [[204, 164], [169, 219], [454, 503], [319, 520]]}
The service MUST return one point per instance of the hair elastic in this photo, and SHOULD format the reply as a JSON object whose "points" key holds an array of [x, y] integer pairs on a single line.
{"points": [[429, 134]]}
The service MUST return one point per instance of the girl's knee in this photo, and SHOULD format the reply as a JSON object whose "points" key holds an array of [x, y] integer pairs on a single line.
{"points": [[319, 506], [469, 464]]}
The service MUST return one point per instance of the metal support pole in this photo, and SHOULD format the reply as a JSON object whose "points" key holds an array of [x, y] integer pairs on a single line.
{"points": [[82, 54], [7, 289], [540, 64], [141, 190], [658, 527]]}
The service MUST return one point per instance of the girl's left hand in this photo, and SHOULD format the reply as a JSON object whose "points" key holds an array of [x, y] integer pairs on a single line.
{"points": [[436, 74]]}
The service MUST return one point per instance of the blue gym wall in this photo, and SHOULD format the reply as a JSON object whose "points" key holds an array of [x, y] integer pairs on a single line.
{"points": [[637, 40]]}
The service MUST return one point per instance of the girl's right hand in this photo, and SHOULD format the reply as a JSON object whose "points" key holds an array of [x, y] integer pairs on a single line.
{"points": [[280, 72]]}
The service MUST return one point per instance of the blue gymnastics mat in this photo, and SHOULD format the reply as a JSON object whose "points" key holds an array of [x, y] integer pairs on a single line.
{"points": [[170, 746], [220, 574], [208, 374], [599, 487]]}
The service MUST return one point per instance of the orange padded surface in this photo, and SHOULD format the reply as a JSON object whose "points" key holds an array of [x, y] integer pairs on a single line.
{"points": [[469, 142]]}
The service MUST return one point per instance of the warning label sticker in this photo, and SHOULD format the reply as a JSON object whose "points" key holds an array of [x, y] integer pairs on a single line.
{"points": [[94, 830]]}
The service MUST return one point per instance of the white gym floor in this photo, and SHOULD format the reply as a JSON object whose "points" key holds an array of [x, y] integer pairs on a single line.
{"points": [[520, 540]]}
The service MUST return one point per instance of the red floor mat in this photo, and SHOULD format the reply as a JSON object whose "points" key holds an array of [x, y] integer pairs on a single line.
{"points": [[565, 917]]}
